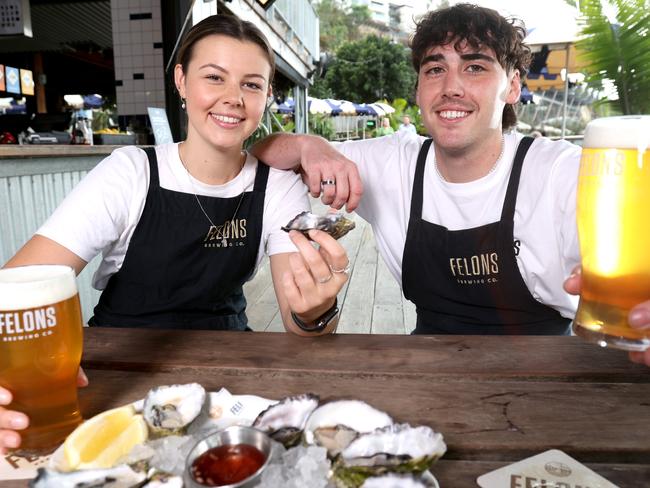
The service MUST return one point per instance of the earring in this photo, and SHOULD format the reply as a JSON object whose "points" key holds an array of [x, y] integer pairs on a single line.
{"points": [[183, 105]]}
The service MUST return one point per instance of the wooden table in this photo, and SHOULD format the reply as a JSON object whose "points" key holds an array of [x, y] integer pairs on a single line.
{"points": [[496, 400]]}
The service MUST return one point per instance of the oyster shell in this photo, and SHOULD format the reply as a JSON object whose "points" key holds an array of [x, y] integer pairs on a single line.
{"points": [[121, 476], [170, 409], [396, 481], [397, 448], [335, 424], [335, 224], [285, 420]]}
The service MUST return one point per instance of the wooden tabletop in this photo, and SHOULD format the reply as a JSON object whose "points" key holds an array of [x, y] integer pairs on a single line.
{"points": [[496, 400]]}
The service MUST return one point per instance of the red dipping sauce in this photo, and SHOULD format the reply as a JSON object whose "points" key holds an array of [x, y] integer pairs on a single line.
{"points": [[225, 465]]}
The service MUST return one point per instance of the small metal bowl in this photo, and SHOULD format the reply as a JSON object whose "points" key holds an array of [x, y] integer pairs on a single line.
{"points": [[230, 436]]}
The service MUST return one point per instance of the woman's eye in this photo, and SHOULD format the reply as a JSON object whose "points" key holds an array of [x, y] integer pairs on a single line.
{"points": [[253, 86], [214, 77]]}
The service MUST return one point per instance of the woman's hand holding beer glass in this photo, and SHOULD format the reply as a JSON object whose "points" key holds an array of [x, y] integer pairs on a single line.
{"points": [[12, 421], [41, 339], [638, 318]]}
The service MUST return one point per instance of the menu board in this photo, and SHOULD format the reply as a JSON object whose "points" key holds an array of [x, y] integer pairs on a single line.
{"points": [[12, 79], [27, 81], [160, 125]]}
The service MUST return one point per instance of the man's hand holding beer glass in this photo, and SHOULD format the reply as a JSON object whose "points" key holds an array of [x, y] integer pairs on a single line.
{"points": [[11, 421], [638, 318]]}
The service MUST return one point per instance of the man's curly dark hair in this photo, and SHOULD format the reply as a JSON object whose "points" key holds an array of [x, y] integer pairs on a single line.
{"points": [[479, 27]]}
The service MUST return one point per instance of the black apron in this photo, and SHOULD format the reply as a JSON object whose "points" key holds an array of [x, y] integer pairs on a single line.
{"points": [[180, 272], [467, 281]]}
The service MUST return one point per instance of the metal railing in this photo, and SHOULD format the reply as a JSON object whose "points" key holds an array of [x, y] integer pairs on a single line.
{"points": [[30, 190], [302, 22]]}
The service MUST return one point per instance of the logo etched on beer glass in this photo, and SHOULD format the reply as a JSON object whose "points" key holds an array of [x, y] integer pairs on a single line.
{"points": [[613, 209], [41, 341]]}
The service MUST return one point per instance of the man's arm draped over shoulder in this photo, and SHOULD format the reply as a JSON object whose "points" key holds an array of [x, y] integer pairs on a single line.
{"points": [[318, 160]]}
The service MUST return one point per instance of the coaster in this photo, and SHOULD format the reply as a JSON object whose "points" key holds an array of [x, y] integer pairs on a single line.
{"points": [[550, 469]]}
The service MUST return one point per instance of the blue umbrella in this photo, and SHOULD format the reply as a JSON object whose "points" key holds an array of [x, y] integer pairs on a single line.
{"points": [[93, 101], [287, 107], [364, 109]]}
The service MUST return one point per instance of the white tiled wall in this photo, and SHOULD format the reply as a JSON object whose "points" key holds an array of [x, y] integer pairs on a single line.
{"points": [[138, 54]]}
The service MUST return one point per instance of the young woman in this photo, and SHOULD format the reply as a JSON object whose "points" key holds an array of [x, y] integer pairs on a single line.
{"points": [[181, 227]]}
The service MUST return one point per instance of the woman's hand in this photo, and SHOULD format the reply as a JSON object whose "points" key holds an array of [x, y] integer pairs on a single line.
{"points": [[638, 318], [12, 421], [311, 279]]}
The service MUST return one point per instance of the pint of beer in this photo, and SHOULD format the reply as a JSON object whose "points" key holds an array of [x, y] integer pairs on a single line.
{"points": [[614, 230], [40, 350]]}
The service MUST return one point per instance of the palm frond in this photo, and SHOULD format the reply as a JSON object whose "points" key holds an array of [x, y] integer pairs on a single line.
{"points": [[618, 51]]}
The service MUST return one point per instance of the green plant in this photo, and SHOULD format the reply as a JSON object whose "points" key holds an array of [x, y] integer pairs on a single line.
{"points": [[402, 108], [618, 51], [321, 125]]}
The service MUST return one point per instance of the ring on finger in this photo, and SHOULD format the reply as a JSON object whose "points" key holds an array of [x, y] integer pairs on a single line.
{"points": [[322, 281], [324, 183], [345, 270]]}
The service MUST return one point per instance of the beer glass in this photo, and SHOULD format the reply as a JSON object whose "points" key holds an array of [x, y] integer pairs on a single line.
{"points": [[614, 230], [40, 350]]}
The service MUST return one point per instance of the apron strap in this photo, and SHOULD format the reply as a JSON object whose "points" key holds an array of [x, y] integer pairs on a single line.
{"points": [[418, 181], [154, 180], [508, 211]]}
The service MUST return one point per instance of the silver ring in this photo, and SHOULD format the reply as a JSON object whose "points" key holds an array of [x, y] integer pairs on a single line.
{"points": [[327, 182], [322, 281], [345, 270]]}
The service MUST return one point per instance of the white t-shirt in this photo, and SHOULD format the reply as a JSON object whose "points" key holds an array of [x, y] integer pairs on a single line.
{"points": [[103, 210], [544, 222]]}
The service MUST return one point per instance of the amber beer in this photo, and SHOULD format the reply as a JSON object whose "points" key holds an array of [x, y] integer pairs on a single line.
{"points": [[40, 350], [613, 216]]}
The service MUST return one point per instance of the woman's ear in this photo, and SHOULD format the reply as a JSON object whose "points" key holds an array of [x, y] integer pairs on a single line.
{"points": [[179, 80]]}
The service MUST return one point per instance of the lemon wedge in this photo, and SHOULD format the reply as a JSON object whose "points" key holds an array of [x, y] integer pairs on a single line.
{"points": [[101, 440]]}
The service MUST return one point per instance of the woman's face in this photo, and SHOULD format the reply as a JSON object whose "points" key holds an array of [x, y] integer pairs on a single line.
{"points": [[225, 90]]}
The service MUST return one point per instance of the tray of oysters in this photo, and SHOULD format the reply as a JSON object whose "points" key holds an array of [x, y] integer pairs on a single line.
{"points": [[182, 436]]}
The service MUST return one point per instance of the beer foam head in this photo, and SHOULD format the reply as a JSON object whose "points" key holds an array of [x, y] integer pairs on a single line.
{"points": [[35, 286], [626, 132]]}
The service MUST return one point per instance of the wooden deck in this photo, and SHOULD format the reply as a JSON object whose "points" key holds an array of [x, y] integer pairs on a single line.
{"points": [[371, 302]]}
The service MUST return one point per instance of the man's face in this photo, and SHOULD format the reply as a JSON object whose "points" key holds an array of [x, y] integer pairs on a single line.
{"points": [[462, 94]]}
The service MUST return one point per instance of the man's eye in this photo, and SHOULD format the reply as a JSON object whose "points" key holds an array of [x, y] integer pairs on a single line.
{"points": [[476, 68], [434, 70]]}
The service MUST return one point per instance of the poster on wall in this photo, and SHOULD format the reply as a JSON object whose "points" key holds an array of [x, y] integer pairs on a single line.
{"points": [[27, 81], [2, 78], [12, 80]]}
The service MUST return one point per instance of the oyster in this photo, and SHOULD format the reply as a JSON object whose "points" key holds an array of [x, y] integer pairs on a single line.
{"points": [[396, 481], [121, 476], [334, 425], [335, 224], [285, 420], [163, 480], [170, 409], [397, 448]]}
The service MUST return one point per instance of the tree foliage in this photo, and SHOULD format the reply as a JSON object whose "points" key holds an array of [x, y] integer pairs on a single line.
{"points": [[619, 51], [339, 25], [371, 69]]}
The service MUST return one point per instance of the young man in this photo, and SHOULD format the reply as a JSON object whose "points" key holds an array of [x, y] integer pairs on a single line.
{"points": [[478, 226]]}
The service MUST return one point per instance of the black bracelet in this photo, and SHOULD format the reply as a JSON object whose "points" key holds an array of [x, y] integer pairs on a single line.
{"points": [[321, 322]]}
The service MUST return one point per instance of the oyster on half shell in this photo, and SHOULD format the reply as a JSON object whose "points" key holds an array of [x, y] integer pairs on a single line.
{"points": [[170, 409], [285, 420], [335, 424], [335, 224], [398, 448], [121, 476]]}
